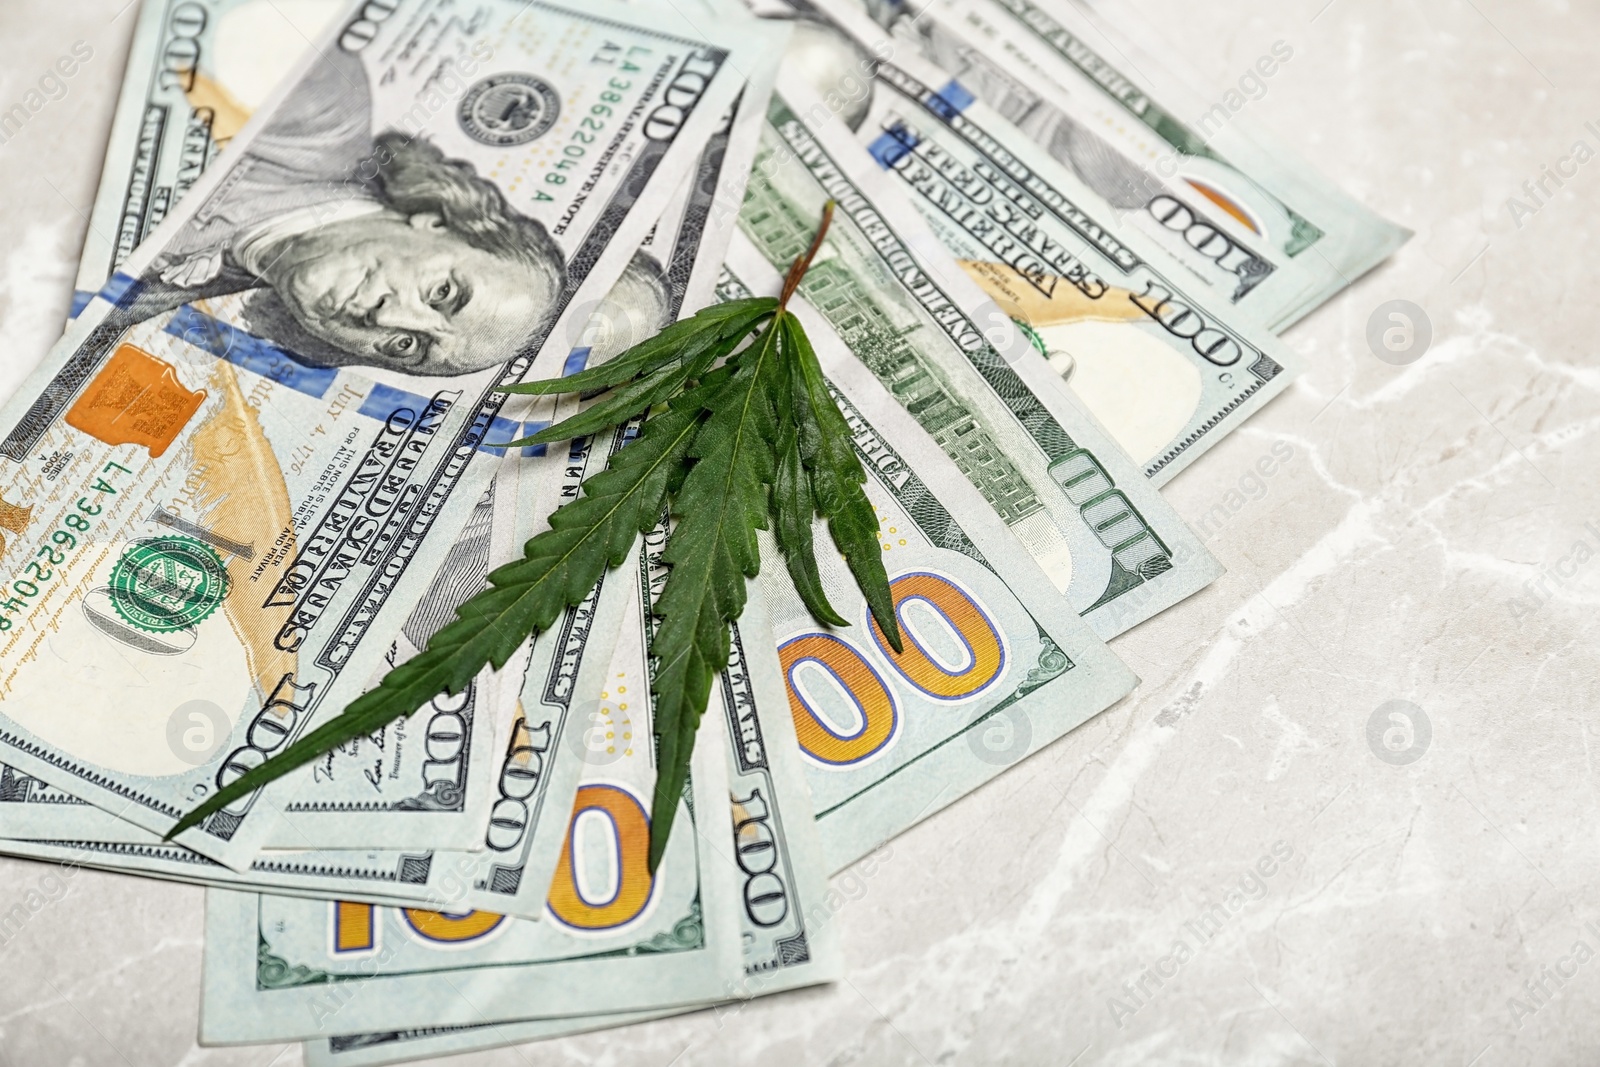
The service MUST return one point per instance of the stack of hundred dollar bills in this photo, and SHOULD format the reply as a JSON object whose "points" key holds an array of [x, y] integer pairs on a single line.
{"points": [[258, 469]]}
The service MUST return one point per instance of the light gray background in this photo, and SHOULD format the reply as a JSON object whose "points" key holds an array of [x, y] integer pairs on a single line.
{"points": [[1380, 564]]}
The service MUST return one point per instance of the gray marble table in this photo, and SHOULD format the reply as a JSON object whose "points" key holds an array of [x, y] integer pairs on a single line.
{"points": [[1411, 907]]}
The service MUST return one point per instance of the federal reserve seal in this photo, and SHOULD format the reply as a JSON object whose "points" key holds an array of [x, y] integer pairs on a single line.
{"points": [[165, 584], [508, 109]]}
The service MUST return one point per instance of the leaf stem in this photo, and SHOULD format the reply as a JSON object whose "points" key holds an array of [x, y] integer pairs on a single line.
{"points": [[802, 262]]}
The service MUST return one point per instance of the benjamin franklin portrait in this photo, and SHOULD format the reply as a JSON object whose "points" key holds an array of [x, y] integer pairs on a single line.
{"points": [[377, 251]]}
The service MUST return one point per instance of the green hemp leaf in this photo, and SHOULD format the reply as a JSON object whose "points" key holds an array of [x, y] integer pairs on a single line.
{"points": [[743, 429]]}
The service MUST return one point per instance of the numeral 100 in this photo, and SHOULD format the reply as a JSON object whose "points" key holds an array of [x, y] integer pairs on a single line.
{"points": [[928, 607], [355, 926], [180, 58], [573, 902], [1181, 320]]}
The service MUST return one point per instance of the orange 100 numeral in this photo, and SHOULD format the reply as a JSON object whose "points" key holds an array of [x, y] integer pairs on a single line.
{"points": [[838, 661], [628, 830], [355, 926], [829, 658]]}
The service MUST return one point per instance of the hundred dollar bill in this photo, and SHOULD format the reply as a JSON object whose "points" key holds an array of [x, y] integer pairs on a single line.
{"points": [[567, 674], [214, 63], [611, 935], [567, 662], [686, 248], [1240, 265], [1086, 514], [217, 62], [424, 781], [889, 738], [568, 665], [419, 782], [196, 73], [1165, 367], [301, 361], [565, 668], [1118, 75], [786, 907]]}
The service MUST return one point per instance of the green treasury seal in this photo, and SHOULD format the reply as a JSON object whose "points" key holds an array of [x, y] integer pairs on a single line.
{"points": [[163, 584]]}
